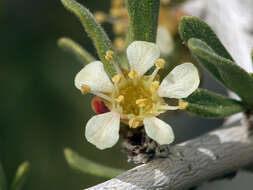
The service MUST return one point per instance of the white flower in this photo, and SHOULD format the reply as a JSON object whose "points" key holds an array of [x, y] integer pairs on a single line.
{"points": [[135, 98]]}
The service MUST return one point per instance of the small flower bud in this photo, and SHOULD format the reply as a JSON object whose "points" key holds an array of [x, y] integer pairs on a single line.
{"points": [[100, 17], [119, 44]]}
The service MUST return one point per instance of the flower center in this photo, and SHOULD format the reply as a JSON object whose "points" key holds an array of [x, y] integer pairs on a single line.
{"points": [[136, 98]]}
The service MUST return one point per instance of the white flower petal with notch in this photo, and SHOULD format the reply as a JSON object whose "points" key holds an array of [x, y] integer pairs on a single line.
{"points": [[142, 56], [103, 130], [95, 77], [180, 82], [158, 130]]}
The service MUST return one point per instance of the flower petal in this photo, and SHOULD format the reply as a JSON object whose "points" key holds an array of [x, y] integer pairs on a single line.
{"points": [[95, 77], [164, 40], [180, 82], [103, 130], [158, 130], [142, 56]]}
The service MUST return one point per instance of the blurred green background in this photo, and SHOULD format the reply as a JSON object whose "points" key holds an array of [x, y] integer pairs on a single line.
{"points": [[41, 110]]}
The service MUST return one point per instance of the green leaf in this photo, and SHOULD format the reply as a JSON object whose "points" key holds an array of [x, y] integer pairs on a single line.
{"points": [[143, 19], [211, 105], [77, 50], [234, 77], [86, 166], [3, 183], [192, 27], [20, 176], [95, 31]]}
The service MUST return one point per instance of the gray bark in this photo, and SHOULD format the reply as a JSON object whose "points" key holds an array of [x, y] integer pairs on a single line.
{"points": [[190, 163]]}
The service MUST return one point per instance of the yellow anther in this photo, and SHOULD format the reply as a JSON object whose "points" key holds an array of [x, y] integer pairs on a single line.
{"points": [[100, 16], [133, 123], [117, 78], [120, 99], [132, 74], [182, 105], [119, 44], [160, 63], [154, 86], [142, 102], [85, 89], [109, 55]]}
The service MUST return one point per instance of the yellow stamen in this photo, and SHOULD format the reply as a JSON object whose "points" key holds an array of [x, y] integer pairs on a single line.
{"points": [[85, 89], [100, 17], [117, 78], [154, 86], [182, 105], [133, 123], [142, 102], [120, 99], [109, 55], [160, 63], [132, 74]]}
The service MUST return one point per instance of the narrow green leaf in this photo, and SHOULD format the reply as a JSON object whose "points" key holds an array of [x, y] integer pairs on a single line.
{"points": [[234, 77], [211, 105], [143, 19], [95, 31], [20, 176], [192, 27], [86, 166], [3, 183], [75, 49]]}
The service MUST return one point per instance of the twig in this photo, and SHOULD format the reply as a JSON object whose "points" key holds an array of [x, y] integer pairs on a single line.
{"points": [[215, 154]]}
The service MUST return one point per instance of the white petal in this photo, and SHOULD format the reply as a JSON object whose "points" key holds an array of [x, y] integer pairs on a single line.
{"points": [[158, 130], [103, 130], [180, 82], [95, 77], [164, 41], [142, 55]]}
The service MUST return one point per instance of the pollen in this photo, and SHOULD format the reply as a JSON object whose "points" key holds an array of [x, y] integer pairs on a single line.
{"points": [[154, 86], [132, 74], [109, 55], [142, 102], [85, 89], [120, 99], [100, 17], [182, 105], [117, 78], [133, 123], [160, 63]]}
